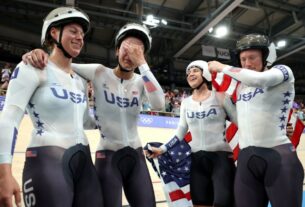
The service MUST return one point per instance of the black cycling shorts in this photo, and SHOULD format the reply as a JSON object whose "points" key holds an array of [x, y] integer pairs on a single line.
{"points": [[212, 178], [58, 177], [269, 174], [125, 168]]}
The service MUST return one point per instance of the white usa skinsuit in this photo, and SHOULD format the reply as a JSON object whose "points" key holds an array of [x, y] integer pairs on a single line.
{"points": [[119, 157], [268, 167], [58, 170]]}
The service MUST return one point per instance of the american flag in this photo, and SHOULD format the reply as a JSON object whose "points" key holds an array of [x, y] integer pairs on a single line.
{"points": [[298, 127], [100, 155], [176, 189], [173, 168], [182, 198], [224, 83], [31, 153], [150, 87], [135, 93]]}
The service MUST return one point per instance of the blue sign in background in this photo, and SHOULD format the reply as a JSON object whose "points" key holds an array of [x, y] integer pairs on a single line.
{"points": [[154, 121], [158, 121]]}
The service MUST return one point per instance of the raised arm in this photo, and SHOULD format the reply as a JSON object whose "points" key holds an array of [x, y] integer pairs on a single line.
{"points": [[37, 58], [87, 71], [268, 78], [153, 89], [276, 75]]}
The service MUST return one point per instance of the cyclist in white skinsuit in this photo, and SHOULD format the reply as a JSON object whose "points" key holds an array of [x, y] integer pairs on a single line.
{"points": [[268, 167], [118, 94], [118, 103], [118, 100], [204, 114], [58, 170]]}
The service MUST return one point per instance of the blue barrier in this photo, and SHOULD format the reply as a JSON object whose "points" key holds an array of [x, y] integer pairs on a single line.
{"points": [[153, 120], [158, 121]]}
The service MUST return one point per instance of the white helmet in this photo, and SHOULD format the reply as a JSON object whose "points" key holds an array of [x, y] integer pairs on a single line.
{"points": [[63, 16], [134, 30], [203, 65]]}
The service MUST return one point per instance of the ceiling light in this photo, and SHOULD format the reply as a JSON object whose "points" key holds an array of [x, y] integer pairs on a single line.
{"points": [[149, 17], [163, 21], [221, 31], [153, 21], [281, 43]]}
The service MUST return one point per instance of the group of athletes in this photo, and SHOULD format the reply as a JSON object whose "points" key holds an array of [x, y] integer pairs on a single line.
{"points": [[58, 170]]}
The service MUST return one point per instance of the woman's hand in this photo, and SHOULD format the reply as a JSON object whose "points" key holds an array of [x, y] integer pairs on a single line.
{"points": [[215, 66], [289, 130], [153, 152], [8, 187], [37, 58]]}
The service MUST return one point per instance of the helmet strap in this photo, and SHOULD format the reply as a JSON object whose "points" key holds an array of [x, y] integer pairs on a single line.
{"points": [[264, 58], [123, 69], [60, 46], [198, 87]]}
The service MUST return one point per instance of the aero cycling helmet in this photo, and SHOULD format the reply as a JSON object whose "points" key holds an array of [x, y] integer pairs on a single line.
{"points": [[134, 30], [60, 17], [203, 65], [253, 41]]}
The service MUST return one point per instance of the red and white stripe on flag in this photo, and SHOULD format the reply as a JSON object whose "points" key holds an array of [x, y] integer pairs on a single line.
{"points": [[232, 138], [298, 127], [175, 196], [225, 83]]}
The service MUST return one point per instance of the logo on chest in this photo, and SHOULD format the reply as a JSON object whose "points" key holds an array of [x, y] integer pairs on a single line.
{"points": [[201, 114], [120, 101], [248, 96], [65, 94]]}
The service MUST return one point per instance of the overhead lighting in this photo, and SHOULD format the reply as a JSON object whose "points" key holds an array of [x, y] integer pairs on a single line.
{"points": [[163, 21], [281, 43], [153, 21], [211, 30], [150, 17], [221, 31]]}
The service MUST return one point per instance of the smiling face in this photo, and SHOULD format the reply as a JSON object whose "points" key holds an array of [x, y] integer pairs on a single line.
{"points": [[72, 38], [252, 59], [123, 53], [194, 77]]}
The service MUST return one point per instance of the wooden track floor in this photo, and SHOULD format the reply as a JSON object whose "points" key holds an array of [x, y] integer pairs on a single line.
{"points": [[146, 134]]}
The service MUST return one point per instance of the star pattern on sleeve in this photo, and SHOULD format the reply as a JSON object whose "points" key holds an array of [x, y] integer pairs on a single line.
{"points": [[39, 123], [285, 106]]}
